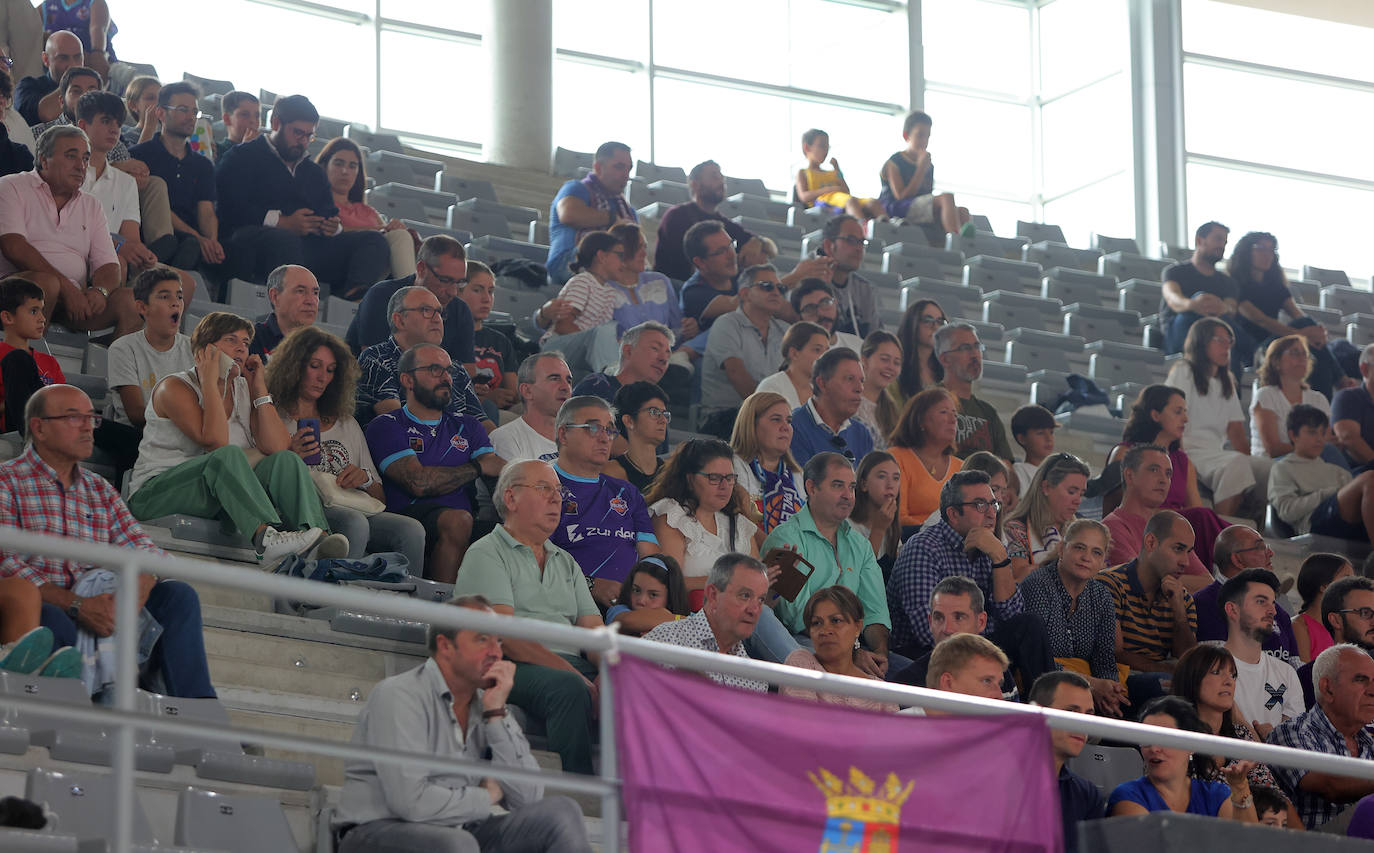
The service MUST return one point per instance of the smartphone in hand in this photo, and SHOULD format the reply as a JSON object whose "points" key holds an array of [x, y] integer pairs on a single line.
{"points": [[312, 424]]}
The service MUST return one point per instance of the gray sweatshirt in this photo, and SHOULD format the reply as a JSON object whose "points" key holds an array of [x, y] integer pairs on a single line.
{"points": [[1297, 486]]}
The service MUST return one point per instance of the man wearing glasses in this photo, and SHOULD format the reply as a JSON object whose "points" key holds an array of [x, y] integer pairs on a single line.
{"points": [[745, 345], [428, 455], [605, 523], [189, 176], [963, 542], [416, 318], [276, 207], [1237, 549], [844, 243], [814, 301], [980, 426], [45, 490]]}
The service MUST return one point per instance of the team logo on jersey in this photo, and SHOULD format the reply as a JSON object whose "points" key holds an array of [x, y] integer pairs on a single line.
{"points": [[417, 444], [620, 505], [459, 443]]}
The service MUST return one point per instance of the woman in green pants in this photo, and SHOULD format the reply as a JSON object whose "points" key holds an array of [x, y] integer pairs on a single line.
{"points": [[225, 453]]}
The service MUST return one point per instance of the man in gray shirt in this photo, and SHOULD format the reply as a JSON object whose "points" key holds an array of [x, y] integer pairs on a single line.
{"points": [[744, 346], [453, 705]]}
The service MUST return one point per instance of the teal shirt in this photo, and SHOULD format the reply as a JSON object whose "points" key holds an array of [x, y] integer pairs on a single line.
{"points": [[506, 572], [857, 568]]}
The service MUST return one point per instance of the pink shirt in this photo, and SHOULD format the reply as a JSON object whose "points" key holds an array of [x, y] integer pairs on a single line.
{"points": [[359, 214], [75, 240], [1128, 533]]}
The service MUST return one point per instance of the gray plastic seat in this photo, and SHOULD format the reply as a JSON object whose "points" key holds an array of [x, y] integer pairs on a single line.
{"points": [[236, 824], [1072, 285], [65, 740], [328, 128], [908, 267], [1107, 766], [566, 162], [1139, 295], [788, 237], [518, 217], [1111, 363], [747, 186], [1347, 300], [397, 208], [1013, 309], [1175, 253], [1325, 276], [994, 273], [1041, 349], [122, 72], [1092, 322], [375, 142], [35, 841], [808, 218], [465, 188], [371, 625], [1124, 265], [1305, 292], [218, 760], [1328, 317], [958, 301], [951, 261], [433, 204], [339, 312], [248, 298], [1106, 244], [429, 229], [651, 172], [754, 206], [502, 247], [84, 803], [477, 222], [981, 222], [987, 243], [642, 192], [1049, 255], [382, 172], [1038, 232], [207, 85]]}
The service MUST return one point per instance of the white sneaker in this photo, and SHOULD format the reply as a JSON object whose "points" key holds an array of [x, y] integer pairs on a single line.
{"points": [[332, 547], [277, 544]]}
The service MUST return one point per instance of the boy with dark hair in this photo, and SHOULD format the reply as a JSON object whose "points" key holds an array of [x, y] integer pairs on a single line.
{"points": [[101, 116], [137, 362], [1313, 495], [1271, 806], [242, 116], [22, 371], [908, 180], [817, 187], [1033, 428]]}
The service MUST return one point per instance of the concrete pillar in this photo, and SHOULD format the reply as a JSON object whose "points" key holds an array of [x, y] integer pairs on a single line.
{"points": [[519, 50], [1157, 119], [916, 55]]}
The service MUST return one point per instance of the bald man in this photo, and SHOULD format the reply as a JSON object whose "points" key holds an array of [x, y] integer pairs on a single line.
{"points": [[35, 97]]}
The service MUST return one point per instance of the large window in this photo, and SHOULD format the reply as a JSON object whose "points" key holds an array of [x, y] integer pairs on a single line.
{"points": [[1278, 112], [1032, 111]]}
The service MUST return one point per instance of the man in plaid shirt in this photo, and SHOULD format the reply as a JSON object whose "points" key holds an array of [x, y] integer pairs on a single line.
{"points": [[1343, 678], [45, 490]]}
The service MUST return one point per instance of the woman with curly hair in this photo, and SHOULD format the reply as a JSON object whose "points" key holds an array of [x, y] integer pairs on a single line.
{"points": [[312, 376]]}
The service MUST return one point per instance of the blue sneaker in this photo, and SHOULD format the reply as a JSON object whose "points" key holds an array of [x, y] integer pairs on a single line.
{"points": [[63, 663], [27, 653]]}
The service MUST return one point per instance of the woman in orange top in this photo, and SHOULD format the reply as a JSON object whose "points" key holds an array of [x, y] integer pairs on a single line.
{"points": [[923, 445]]}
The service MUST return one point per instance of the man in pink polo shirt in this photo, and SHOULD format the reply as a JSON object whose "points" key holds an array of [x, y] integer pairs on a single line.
{"points": [[56, 236]]}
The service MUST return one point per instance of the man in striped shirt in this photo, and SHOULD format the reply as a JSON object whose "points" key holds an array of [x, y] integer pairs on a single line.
{"points": [[1156, 617]]}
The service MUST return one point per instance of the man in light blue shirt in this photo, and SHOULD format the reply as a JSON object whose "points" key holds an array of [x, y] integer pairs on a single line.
{"points": [[454, 705]]}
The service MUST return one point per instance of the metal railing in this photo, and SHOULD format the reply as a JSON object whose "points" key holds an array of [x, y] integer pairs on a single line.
{"points": [[124, 719]]}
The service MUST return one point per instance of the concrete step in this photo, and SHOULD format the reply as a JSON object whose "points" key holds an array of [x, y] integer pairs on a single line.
{"points": [[299, 628], [341, 686], [368, 665]]}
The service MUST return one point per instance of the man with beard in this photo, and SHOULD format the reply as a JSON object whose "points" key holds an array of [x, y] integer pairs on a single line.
{"points": [[707, 187], [1267, 691], [1239, 548], [827, 420], [427, 455], [821, 533], [275, 204], [1348, 613], [980, 427], [1196, 288], [814, 301]]}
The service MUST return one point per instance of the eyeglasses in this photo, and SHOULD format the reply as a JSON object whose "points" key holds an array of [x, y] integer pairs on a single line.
{"points": [[306, 136], [982, 506], [965, 349], [656, 412], [434, 370], [815, 307], [1362, 612], [183, 109], [426, 311], [76, 421], [721, 251], [842, 446], [854, 241], [450, 281], [1262, 546], [717, 479], [593, 429], [543, 490], [931, 320]]}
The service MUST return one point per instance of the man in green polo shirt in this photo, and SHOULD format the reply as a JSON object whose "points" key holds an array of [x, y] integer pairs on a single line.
{"points": [[821, 533], [522, 573]]}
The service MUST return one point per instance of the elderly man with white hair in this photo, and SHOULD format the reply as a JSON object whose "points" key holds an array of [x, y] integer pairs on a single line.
{"points": [[1352, 414], [522, 573], [1343, 677]]}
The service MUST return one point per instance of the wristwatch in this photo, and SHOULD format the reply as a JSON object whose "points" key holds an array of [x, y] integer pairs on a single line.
{"points": [[74, 609], [1003, 564], [1244, 802], [501, 712]]}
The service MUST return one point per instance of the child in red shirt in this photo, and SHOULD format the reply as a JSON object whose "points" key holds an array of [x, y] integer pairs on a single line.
{"points": [[22, 371]]}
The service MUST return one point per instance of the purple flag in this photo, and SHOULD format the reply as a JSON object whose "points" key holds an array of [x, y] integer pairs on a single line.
{"points": [[708, 767]]}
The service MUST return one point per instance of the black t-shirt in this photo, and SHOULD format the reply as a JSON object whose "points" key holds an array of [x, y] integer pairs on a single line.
{"points": [[1192, 282], [1268, 298], [493, 352]]}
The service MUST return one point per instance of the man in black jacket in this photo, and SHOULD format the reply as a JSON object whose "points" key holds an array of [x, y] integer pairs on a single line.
{"points": [[276, 207]]}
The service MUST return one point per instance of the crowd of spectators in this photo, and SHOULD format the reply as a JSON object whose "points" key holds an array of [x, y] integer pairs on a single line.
{"points": [[539, 477]]}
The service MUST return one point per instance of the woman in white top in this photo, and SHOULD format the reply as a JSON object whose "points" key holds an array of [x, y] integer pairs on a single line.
{"points": [[700, 511], [882, 360], [313, 374], [764, 467], [581, 319], [1215, 417], [193, 460], [801, 346], [1281, 385]]}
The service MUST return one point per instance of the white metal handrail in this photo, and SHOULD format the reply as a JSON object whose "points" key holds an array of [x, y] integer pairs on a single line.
{"points": [[125, 720]]}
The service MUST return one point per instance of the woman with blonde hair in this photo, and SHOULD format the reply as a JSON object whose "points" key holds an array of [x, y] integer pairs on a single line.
{"points": [[763, 463], [1034, 529], [923, 446], [312, 377], [881, 355], [140, 99]]}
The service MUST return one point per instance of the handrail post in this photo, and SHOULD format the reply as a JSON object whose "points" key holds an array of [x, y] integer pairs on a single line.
{"points": [[610, 801], [126, 683]]}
